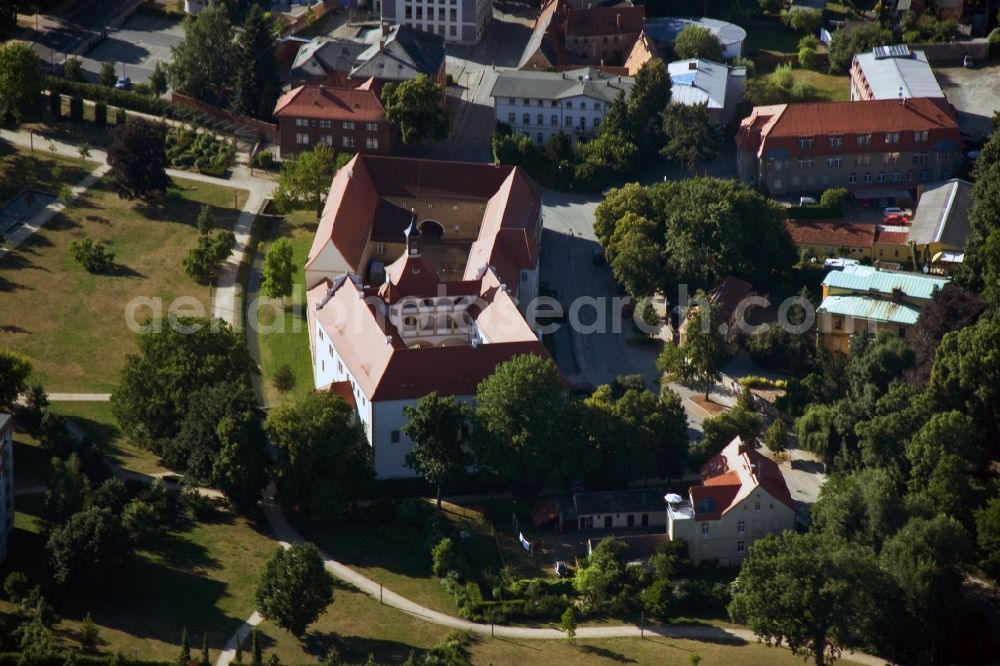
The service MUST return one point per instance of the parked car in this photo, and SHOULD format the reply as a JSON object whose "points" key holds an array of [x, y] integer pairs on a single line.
{"points": [[123, 83], [893, 210]]}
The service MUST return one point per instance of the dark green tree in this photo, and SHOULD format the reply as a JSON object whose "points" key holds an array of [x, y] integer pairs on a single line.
{"points": [[864, 507], [67, 490], [204, 64], [521, 423], [257, 84], [14, 372], [649, 98], [184, 653], [720, 430], [305, 180], [295, 588], [602, 576], [174, 361], [813, 593], [860, 39], [438, 427], [90, 636], [20, 79], [417, 108], [158, 79], [692, 138], [988, 538], [699, 357], [138, 160], [324, 460], [89, 551], [694, 41], [635, 255], [278, 270], [239, 470], [108, 75]]}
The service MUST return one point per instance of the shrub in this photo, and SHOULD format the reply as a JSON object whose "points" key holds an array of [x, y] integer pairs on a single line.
{"points": [[803, 90], [100, 114], [92, 255], [140, 520], [125, 99], [55, 105], [265, 159], [782, 76], [808, 58], [834, 198], [803, 20], [76, 109], [284, 379], [443, 557]]}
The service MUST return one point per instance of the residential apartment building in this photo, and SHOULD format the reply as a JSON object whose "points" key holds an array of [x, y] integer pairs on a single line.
{"points": [[413, 280], [883, 149], [457, 21], [345, 119], [6, 482], [866, 300], [566, 37], [542, 104], [742, 497], [719, 87], [892, 72], [396, 53]]}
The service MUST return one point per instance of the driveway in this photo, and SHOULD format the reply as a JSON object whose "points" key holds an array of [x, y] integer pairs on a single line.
{"points": [[136, 47], [975, 94], [68, 27]]}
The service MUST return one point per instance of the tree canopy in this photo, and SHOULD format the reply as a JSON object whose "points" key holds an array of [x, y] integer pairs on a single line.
{"points": [[324, 460], [14, 372], [695, 41], [417, 107], [138, 159], [700, 356], [20, 79], [521, 423], [89, 551], [305, 179], [278, 270], [204, 63], [692, 139], [257, 84], [438, 427], [295, 588], [173, 362], [859, 39]]}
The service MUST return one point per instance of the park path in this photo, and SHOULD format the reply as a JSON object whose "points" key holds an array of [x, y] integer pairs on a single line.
{"points": [[287, 537], [79, 397], [259, 188]]}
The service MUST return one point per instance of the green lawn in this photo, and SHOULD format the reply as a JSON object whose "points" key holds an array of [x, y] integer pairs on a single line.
{"points": [[39, 170], [284, 336], [72, 324], [200, 576], [99, 423], [829, 87]]}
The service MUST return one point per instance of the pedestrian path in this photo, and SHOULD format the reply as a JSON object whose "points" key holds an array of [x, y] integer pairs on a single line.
{"points": [[79, 397]]}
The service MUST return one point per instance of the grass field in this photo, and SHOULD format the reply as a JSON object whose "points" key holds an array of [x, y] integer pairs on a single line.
{"points": [[200, 576], [773, 39], [38, 170], [285, 341], [99, 423], [829, 87], [72, 324]]}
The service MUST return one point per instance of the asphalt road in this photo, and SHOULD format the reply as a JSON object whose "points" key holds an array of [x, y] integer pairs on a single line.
{"points": [[136, 47]]}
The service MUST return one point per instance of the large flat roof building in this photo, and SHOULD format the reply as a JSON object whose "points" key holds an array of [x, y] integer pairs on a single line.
{"points": [[892, 72]]}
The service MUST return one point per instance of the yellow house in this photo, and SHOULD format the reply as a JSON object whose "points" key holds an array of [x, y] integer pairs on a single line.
{"points": [[940, 224], [866, 300]]}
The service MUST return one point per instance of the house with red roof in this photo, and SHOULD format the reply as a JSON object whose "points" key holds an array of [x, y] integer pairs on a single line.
{"points": [[463, 240], [742, 497], [881, 150], [350, 119]]}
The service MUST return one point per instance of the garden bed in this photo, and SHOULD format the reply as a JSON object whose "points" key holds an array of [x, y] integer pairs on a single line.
{"points": [[203, 152]]}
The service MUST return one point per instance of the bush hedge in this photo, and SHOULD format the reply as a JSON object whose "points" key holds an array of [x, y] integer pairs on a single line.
{"points": [[76, 109], [101, 114], [121, 98]]}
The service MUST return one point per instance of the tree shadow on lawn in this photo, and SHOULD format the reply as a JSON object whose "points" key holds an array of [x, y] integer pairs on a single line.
{"points": [[605, 653], [355, 649], [359, 543]]}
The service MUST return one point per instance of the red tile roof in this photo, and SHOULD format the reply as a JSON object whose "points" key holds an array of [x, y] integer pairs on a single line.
{"points": [[351, 104], [831, 118], [731, 476], [344, 391], [894, 235], [598, 21], [834, 233]]}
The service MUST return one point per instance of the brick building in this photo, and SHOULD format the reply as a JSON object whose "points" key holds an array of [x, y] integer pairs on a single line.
{"points": [[882, 149], [346, 119]]}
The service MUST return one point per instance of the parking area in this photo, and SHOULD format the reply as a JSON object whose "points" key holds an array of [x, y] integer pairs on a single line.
{"points": [[136, 47], [975, 93]]}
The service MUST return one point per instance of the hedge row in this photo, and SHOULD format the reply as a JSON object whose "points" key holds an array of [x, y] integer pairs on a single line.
{"points": [[97, 93]]}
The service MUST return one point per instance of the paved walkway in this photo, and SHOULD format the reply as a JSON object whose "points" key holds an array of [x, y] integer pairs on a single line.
{"points": [[79, 397], [287, 537]]}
